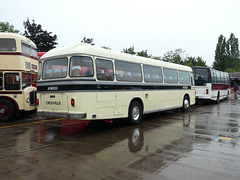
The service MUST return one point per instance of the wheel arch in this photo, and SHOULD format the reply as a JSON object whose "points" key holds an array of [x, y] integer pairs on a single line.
{"points": [[12, 100], [136, 99]]}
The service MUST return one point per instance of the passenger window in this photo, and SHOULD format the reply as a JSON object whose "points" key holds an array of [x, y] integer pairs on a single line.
{"points": [[128, 71], [7, 44], [170, 75], [26, 48], [104, 70], [11, 81], [184, 77], [1, 81], [81, 66], [55, 68], [152, 74]]}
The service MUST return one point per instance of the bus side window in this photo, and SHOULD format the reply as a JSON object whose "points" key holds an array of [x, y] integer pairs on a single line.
{"points": [[152, 74], [184, 77], [129, 71], [104, 70], [1, 81], [81, 66], [170, 75]]}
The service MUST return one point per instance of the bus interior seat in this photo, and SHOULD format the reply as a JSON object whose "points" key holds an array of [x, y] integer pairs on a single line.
{"points": [[137, 77], [76, 71], [147, 78], [155, 78], [89, 73], [49, 74], [127, 76], [57, 73], [101, 75]]}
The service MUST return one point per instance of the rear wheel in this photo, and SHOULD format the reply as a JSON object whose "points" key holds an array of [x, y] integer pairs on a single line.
{"points": [[186, 104], [135, 113], [7, 110]]}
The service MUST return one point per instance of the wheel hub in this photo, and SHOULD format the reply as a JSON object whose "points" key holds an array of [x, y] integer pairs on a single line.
{"points": [[135, 113]]}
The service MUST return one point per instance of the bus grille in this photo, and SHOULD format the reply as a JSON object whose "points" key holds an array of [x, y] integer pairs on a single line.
{"points": [[33, 96]]}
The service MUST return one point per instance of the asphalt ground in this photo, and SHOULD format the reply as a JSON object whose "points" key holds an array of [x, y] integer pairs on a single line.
{"points": [[200, 144]]}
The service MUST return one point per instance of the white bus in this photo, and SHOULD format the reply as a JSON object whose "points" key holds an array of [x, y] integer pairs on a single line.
{"points": [[211, 84], [90, 83], [18, 75]]}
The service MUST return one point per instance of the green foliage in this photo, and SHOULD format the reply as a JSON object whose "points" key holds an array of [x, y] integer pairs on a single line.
{"points": [[129, 50], [192, 61], [43, 39], [227, 56], [143, 54], [175, 56], [105, 47], [6, 27]]}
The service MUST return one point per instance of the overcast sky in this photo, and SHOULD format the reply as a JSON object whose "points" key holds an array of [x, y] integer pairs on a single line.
{"points": [[157, 26]]}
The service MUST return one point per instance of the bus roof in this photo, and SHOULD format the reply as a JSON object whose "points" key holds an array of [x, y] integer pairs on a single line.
{"points": [[17, 37], [87, 49]]}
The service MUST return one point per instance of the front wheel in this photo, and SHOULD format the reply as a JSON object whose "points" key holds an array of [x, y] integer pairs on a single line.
{"points": [[7, 110], [135, 113]]}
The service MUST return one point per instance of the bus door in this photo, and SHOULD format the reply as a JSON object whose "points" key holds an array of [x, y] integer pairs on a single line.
{"points": [[105, 96]]}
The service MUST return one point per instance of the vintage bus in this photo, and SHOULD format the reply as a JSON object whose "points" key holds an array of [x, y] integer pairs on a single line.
{"points": [[211, 84], [18, 75], [89, 83]]}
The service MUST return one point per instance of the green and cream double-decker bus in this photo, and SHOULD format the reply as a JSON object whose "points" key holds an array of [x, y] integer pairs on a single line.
{"points": [[18, 75], [89, 83]]}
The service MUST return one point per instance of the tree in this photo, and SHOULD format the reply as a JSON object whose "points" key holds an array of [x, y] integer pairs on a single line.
{"points": [[220, 54], [227, 54], [192, 61], [129, 50], [143, 54], [232, 51], [88, 41], [6, 27], [43, 39], [175, 56]]}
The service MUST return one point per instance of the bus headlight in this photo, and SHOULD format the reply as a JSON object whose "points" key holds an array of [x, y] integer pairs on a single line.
{"points": [[28, 100]]}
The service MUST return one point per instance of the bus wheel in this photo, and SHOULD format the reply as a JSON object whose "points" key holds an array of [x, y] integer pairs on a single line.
{"points": [[7, 110], [135, 113], [218, 97], [186, 104]]}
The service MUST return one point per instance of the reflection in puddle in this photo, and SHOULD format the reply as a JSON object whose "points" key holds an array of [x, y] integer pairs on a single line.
{"points": [[47, 132]]}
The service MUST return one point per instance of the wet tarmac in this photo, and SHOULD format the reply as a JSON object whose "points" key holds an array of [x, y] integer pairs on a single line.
{"points": [[200, 144]]}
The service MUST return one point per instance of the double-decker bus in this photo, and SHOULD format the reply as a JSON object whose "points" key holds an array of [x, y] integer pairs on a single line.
{"points": [[89, 83], [211, 84], [18, 75]]}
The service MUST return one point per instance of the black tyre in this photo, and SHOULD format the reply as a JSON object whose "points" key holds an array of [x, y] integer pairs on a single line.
{"points": [[135, 113], [7, 110], [218, 97], [186, 104]]}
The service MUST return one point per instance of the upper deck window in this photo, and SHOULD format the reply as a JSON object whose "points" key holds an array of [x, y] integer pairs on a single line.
{"points": [[81, 66], [7, 44], [25, 48], [34, 52], [55, 68]]}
